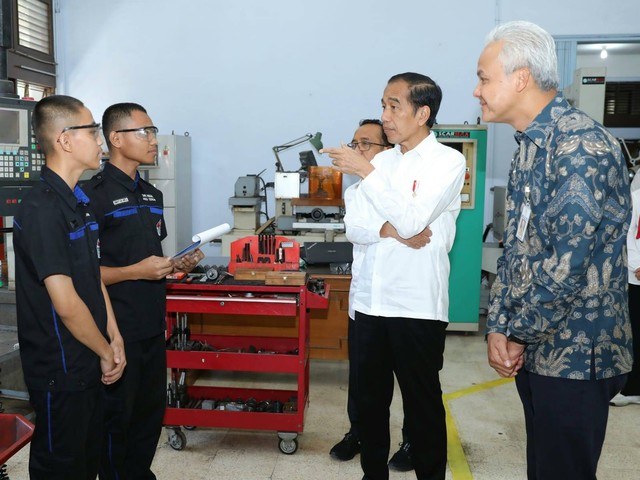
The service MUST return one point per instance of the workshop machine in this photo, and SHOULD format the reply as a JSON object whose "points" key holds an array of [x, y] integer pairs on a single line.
{"points": [[20, 157], [21, 161], [308, 200], [587, 92], [317, 215], [466, 254], [20, 164]]}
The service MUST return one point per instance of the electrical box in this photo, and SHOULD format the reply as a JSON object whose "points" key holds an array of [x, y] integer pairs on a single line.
{"points": [[467, 144], [466, 255], [587, 92], [172, 177], [287, 185]]}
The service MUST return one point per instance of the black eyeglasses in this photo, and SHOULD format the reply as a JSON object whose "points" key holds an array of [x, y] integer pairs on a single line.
{"points": [[95, 126], [143, 133], [363, 145]]}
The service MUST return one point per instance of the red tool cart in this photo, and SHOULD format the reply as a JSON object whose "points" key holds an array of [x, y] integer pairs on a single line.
{"points": [[262, 409]]}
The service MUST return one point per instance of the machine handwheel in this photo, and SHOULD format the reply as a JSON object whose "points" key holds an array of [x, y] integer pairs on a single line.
{"points": [[288, 447], [177, 439]]}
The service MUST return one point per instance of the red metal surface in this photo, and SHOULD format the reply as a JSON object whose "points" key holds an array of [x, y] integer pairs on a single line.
{"points": [[239, 362], [257, 251], [288, 422], [15, 433], [282, 422], [231, 304], [285, 355]]}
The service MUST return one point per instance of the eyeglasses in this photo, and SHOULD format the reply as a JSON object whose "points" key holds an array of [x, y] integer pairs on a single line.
{"points": [[363, 145], [95, 126], [143, 133]]}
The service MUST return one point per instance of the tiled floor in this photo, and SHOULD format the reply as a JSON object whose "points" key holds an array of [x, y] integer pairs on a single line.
{"points": [[488, 421]]}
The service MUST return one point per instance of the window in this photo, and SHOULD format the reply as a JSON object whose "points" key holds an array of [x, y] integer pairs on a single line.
{"points": [[31, 59], [34, 23], [622, 104]]}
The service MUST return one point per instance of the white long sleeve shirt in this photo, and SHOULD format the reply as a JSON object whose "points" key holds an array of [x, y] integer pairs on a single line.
{"points": [[411, 191], [358, 249], [633, 242]]}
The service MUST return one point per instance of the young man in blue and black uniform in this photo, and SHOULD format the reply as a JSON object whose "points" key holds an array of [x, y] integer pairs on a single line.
{"points": [[129, 211], [69, 340]]}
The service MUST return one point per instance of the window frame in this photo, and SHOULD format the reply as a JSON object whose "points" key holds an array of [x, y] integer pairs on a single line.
{"points": [[620, 119], [29, 65]]}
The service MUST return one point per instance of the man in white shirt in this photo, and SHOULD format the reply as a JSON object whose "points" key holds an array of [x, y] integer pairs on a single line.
{"points": [[401, 297], [630, 394], [369, 140]]}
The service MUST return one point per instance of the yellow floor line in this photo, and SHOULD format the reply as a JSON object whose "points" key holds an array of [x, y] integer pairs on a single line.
{"points": [[455, 454]]}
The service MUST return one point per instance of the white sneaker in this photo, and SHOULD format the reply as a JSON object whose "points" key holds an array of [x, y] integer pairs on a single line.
{"points": [[623, 400]]}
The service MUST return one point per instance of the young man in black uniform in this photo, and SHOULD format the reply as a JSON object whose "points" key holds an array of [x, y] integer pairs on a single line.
{"points": [[64, 314], [129, 211]]}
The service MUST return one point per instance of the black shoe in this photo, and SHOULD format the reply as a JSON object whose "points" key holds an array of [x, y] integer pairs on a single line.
{"points": [[347, 448], [401, 460]]}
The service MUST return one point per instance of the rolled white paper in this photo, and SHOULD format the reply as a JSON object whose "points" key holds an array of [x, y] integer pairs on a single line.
{"points": [[201, 238], [211, 234]]}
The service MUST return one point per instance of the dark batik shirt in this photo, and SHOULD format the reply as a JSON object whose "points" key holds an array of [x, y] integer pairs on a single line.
{"points": [[562, 288]]}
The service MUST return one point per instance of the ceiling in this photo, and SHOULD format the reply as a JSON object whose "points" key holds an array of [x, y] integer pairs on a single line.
{"points": [[612, 48]]}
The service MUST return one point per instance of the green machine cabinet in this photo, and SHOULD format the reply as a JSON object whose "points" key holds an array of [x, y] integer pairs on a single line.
{"points": [[466, 254]]}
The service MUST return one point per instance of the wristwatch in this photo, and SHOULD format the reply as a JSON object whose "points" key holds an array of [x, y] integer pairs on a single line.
{"points": [[514, 339]]}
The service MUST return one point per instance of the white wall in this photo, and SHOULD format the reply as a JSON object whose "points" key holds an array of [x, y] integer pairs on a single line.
{"points": [[241, 77]]}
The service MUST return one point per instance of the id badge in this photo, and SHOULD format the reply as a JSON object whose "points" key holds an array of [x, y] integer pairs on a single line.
{"points": [[525, 214]]}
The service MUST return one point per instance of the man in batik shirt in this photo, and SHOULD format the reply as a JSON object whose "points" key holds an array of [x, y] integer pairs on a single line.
{"points": [[558, 318]]}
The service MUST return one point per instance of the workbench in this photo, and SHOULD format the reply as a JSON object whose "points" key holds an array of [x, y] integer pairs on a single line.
{"points": [[239, 352]]}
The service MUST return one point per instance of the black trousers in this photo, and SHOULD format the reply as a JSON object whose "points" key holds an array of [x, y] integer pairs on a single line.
{"points": [[67, 439], [633, 380], [566, 421], [412, 349], [134, 411], [352, 404]]}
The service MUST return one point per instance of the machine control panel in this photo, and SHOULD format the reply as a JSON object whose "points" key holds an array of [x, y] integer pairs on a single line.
{"points": [[23, 163], [461, 140], [21, 159]]}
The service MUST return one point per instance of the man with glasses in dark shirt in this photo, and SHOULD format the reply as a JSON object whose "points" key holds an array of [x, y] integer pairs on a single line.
{"points": [[68, 336], [129, 211]]}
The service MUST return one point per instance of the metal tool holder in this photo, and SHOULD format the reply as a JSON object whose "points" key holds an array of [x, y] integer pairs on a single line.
{"points": [[273, 251]]}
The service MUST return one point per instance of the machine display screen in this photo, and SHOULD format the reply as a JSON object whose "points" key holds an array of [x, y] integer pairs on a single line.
{"points": [[9, 127]]}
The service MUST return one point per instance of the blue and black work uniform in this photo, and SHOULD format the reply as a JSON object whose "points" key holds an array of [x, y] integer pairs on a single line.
{"points": [[55, 233], [130, 214]]}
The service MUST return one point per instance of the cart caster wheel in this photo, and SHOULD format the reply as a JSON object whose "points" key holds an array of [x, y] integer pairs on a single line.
{"points": [[288, 447], [189, 427], [177, 440]]}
